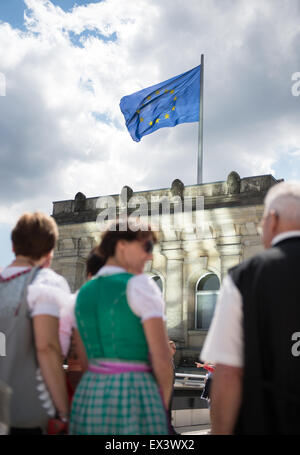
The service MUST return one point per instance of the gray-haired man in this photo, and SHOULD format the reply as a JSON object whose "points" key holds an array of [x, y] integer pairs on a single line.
{"points": [[253, 339]]}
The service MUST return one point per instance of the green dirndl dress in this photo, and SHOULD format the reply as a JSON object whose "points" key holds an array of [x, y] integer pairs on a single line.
{"points": [[126, 403]]}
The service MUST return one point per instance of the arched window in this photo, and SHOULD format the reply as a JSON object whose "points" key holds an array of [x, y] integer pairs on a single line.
{"points": [[158, 281], [207, 290]]}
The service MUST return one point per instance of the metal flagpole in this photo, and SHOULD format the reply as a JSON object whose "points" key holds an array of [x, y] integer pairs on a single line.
{"points": [[200, 128]]}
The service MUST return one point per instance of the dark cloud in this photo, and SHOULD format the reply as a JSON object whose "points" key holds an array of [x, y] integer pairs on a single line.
{"points": [[33, 148]]}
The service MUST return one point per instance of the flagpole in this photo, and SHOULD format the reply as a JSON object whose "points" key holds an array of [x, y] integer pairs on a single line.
{"points": [[200, 128]]}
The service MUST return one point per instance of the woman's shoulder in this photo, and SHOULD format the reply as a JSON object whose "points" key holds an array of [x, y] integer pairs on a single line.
{"points": [[88, 288], [48, 293], [114, 279], [144, 282], [144, 297], [48, 277]]}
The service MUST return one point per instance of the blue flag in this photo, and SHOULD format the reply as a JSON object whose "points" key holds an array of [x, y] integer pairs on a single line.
{"points": [[166, 104]]}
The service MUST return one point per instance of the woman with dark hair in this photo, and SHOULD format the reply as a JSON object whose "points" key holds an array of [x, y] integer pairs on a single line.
{"points": [[120, 316], [31, 296]]}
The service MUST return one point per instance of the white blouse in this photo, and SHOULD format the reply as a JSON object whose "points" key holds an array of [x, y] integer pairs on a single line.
{"points": [[225, 339], [143, 295], [47, 294]]}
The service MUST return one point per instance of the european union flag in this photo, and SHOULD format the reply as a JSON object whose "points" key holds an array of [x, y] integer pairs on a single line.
{"points": [[166, 104]]}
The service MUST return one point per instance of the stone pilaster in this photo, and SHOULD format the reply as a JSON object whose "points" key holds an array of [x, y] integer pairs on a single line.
{"points": [[73, 269], [230, 255], [69, 263], [174, 289], [251, 239]]}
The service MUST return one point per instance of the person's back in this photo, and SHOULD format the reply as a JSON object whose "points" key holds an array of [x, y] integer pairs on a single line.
{"points": [[30, 297], [270, 288], [253, 336], [108, 327], [19, 367]]}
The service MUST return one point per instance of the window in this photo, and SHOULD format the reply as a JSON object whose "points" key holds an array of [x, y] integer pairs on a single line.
{"points": [[158, 281], [207, 290]]}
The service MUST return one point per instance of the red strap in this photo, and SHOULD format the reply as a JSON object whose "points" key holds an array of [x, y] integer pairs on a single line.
{"points": [[4, 280]]}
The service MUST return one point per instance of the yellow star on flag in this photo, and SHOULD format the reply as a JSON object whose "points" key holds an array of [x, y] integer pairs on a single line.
{"points": [[167, 116], [173, 108], [157, 120], [148, 97], [151, 123], [138, 112], [141, 119], [175, 98], [172, 91], [157, 92]]}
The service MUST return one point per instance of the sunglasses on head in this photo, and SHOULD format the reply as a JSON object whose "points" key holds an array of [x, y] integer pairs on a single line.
{"points": [[148, 246]]}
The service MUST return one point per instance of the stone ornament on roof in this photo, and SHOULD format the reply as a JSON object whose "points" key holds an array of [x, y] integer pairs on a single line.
{"points": [[233, 183], [177, 188], [80, 199], [125, 195]]}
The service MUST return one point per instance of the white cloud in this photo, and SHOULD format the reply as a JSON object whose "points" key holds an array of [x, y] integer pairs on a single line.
{"points": [[52, 146]]}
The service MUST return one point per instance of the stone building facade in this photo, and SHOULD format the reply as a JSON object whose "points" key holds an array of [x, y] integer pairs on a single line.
{"points": [[189, 264]]}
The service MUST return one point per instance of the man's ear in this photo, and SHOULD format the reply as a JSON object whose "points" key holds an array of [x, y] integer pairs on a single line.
{"points": [[274, 222]]}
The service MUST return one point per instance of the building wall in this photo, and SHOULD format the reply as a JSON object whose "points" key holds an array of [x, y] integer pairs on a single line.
{"points": [[230, 224]]}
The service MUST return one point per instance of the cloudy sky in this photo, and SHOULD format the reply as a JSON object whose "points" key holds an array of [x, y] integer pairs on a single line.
{"points": [[68, 63]]}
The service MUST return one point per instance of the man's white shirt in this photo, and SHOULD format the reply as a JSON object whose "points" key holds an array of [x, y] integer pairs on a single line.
{"points": [[224, 343]]}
